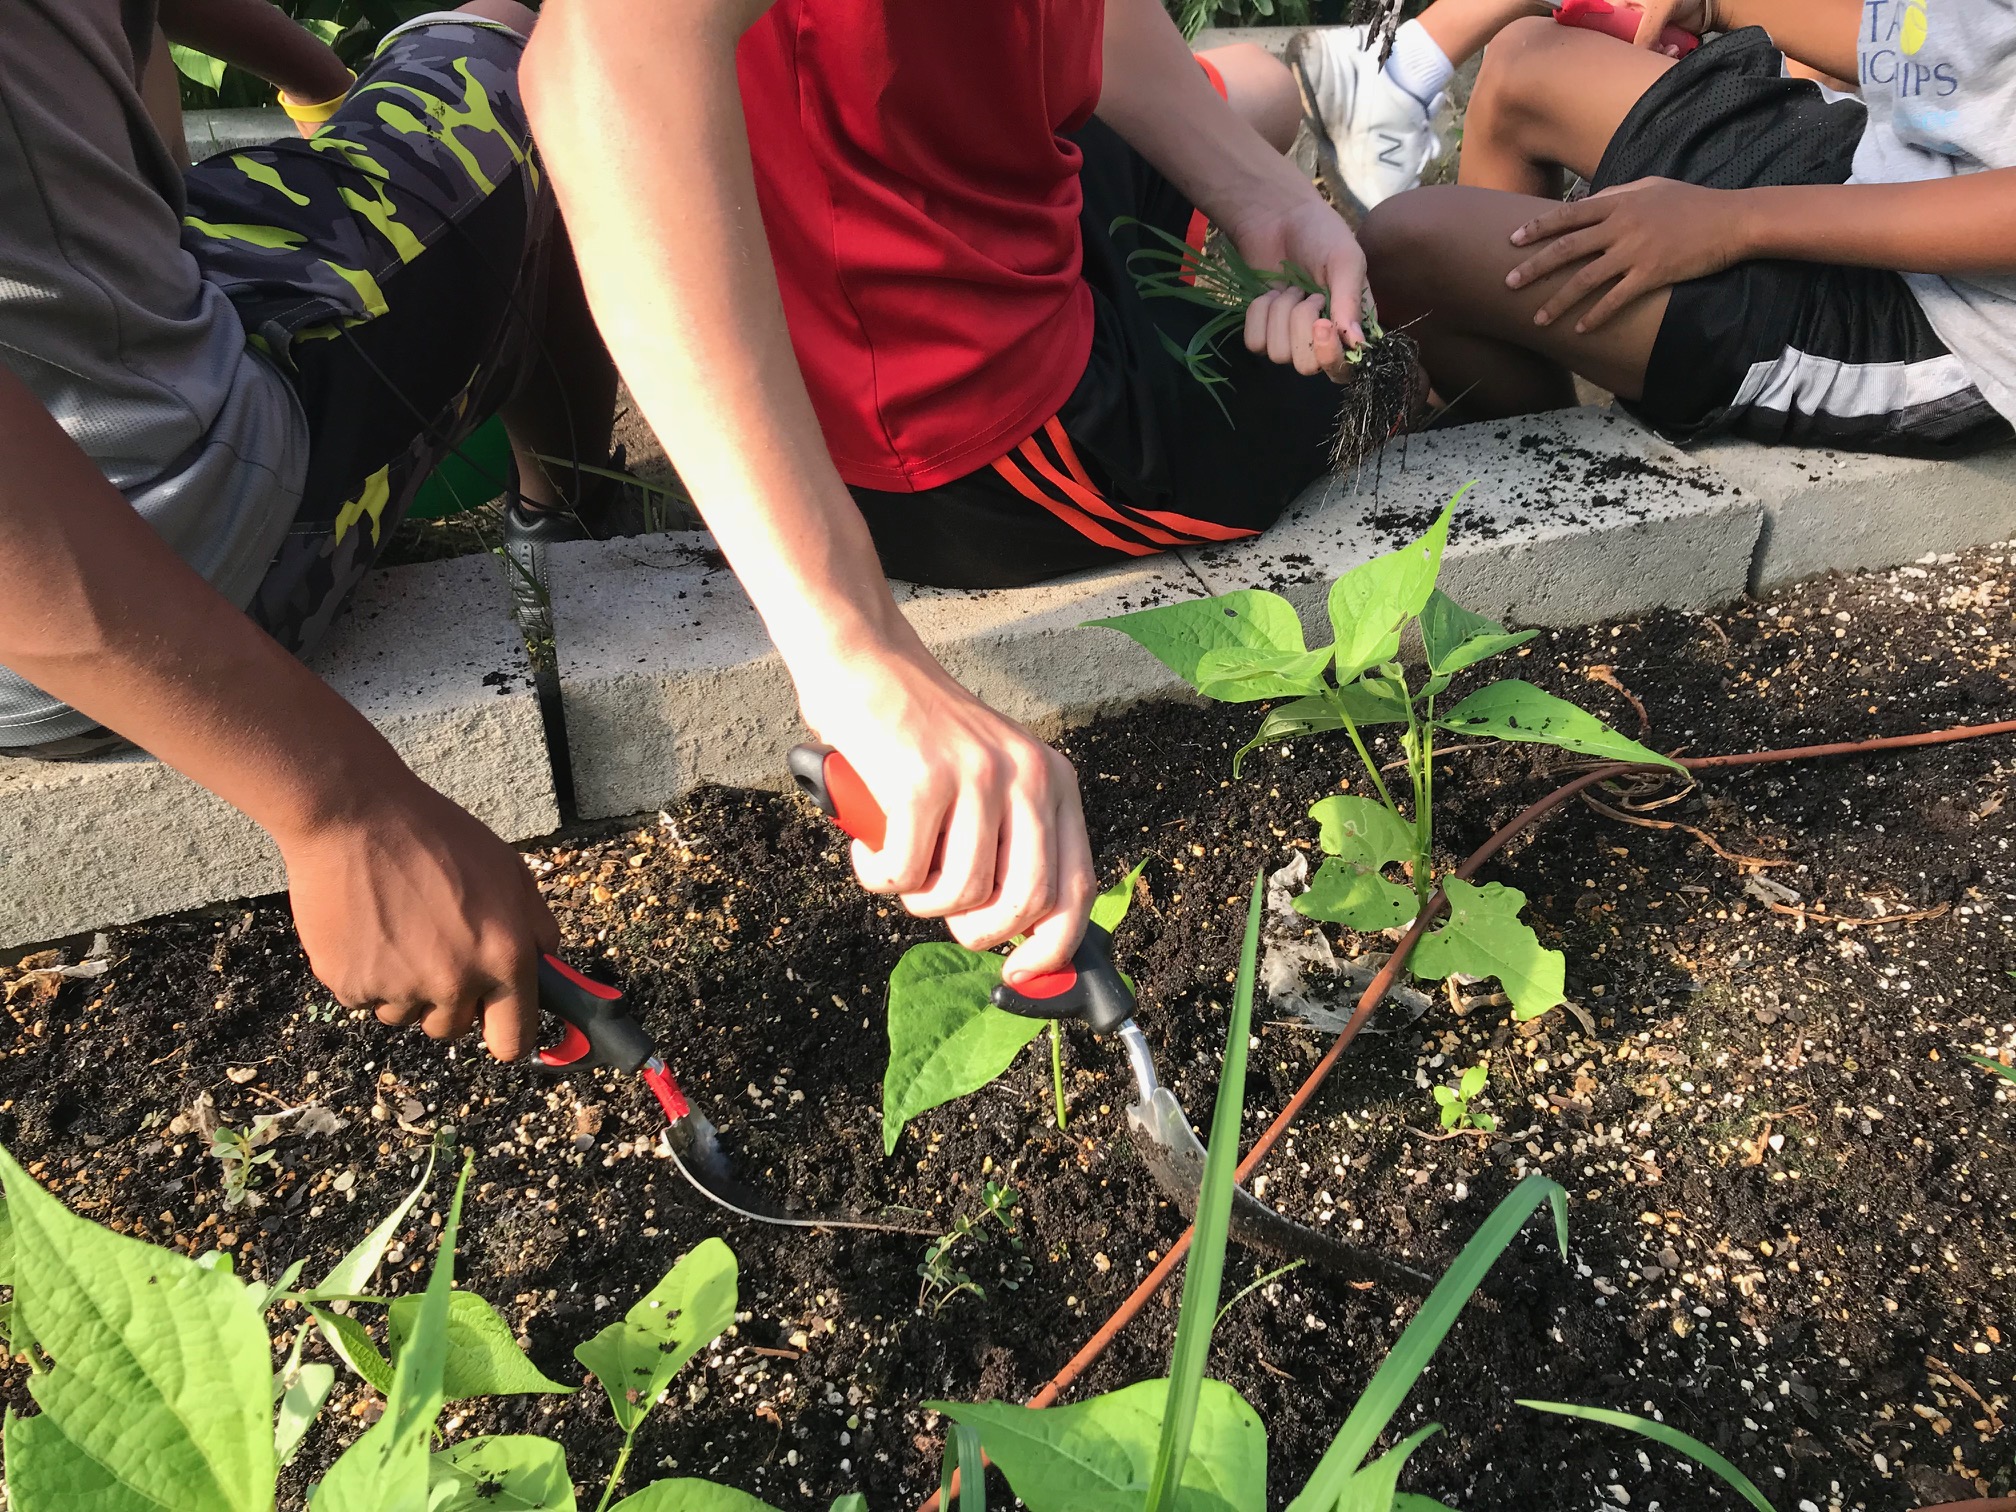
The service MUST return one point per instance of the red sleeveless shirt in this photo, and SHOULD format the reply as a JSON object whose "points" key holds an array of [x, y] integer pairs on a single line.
{"points": [[922, 211]]}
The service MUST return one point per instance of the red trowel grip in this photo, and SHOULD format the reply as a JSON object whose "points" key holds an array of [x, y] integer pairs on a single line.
{"points": [[824, 776], [1090, 989], [1621, 20]]}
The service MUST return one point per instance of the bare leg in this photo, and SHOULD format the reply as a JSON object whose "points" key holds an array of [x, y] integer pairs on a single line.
{"points": [[1462, 27], [565, 405], [1438, 260], [1260, 91], [1549, 97]]}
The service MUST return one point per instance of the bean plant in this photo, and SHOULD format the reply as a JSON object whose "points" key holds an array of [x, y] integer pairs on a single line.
{"points": [[155, 1379], [1379, 873], [946, 1037]]}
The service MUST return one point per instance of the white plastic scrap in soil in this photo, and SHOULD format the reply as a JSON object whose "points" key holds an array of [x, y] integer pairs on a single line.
{"points": [[1301, 974]]}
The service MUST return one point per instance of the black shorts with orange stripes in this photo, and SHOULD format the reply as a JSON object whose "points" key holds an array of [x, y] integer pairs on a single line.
{"points": [[1140, 459]]}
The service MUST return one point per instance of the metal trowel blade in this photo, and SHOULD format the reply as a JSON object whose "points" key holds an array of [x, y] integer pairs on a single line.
{"points": [[1175, 1157]]}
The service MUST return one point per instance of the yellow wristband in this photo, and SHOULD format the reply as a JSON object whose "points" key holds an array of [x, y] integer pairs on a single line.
{"points": [[314, 114]]}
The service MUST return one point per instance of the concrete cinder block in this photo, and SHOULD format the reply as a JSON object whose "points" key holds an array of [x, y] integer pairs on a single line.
{"points": [[668, 679], [1830, 511], [1574, 516], [428, 653]]}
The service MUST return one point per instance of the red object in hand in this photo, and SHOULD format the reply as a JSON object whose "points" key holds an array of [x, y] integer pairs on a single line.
{"points": [[1621, 21]]}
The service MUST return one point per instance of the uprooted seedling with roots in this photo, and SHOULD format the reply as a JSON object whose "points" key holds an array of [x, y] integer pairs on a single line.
{"points": [[1385, 386]]}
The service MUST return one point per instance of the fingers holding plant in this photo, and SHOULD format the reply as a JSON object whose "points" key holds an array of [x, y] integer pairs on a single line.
{"points": [[1636, 238]]}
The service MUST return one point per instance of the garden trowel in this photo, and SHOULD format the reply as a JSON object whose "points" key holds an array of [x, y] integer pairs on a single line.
{"points": [[1092, 991], [601, 1031]]}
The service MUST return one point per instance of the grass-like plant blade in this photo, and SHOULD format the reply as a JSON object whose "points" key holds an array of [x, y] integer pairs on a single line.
{"points": [[2007, 1073], [1415, 1347], [1205, 1270], [972, 1471], [1660, 1433]]}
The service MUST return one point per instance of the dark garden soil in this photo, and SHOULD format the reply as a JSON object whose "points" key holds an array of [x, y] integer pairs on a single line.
{"points": [[1794, 1200]]}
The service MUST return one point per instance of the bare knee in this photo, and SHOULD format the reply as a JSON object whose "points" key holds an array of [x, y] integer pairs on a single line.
{"points": [[1518, 66], [520, 18], [1261, 90]]}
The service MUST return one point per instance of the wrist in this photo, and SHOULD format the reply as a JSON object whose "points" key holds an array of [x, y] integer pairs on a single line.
{"points": [[1751, 225], [315, 99], [351, 784]]}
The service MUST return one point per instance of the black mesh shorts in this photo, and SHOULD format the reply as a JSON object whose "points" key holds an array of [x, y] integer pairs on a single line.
{"points": [[1793, 352], [1140, 459]]}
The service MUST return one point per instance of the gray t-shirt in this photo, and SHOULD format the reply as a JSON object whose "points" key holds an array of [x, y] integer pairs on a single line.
{"points": [[110, 323], [1939, 78]]}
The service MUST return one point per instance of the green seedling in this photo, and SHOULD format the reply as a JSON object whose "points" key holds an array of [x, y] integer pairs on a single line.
{"points": [[946, 1037], [942, 1279], [240, 1153], [1248, 647], [1455, 1102]]}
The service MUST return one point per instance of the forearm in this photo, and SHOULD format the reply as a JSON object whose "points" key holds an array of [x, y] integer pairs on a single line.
{"points": [[1819, 33], [1154, 94], [1965, 224], [639, 117], [120, 628], [260, 38]]}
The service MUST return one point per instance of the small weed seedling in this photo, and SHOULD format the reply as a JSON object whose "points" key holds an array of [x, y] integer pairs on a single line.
{"points": [[1248, 647], [240, 1153], [1455, 1102], [943, 1280]]}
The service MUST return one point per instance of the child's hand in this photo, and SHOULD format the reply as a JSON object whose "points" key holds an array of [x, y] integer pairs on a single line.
{"points": [[1288, 324], [1638, 238]]}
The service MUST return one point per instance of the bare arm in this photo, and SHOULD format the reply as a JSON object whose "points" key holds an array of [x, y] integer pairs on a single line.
{"points": [[1651, 234], [262, 39], [1964, 224], [639, 115], [401, 898]]}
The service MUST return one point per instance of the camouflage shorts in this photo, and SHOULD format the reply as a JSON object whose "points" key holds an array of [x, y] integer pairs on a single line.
{"points": [[391, 268]]}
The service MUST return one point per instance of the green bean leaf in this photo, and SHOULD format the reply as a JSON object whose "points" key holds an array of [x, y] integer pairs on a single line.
{"points": [[1485, 937], [946, 1037], [1515, 710]]}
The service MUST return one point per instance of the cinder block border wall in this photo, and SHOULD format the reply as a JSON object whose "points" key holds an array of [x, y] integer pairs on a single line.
{"points": [[668, 681]]}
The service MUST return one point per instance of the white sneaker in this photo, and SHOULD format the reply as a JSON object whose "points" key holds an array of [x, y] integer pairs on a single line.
{"points": [[1376, 138]]}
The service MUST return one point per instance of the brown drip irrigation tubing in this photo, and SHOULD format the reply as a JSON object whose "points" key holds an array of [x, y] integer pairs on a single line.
{"points": [[1376, 990]]}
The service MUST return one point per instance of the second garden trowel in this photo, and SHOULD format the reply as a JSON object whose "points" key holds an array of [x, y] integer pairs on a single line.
{"points": [[1092, 991]]}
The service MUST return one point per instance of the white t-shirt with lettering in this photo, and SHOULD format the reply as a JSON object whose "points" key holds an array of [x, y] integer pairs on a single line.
{"points": [[1939, 79]]}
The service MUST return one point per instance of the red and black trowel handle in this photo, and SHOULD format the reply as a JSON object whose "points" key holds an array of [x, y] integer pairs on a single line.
{"points": [[1090, 990], [600, 1030]]}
